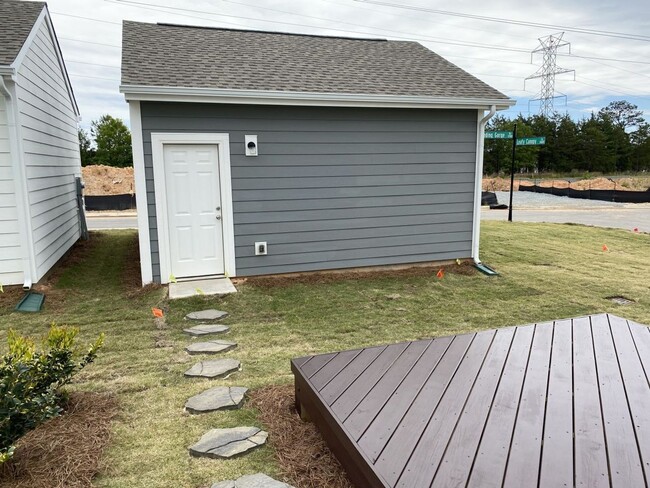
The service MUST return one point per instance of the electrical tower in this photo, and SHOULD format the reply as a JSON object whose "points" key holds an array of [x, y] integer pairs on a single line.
{"points": [[548, 47]]}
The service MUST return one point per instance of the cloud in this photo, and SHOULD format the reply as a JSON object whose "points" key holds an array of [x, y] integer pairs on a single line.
{"points": [[90, 36]]}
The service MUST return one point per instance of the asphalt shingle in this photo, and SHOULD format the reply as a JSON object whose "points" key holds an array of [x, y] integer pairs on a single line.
{"points": [[16, 21], [167, 55]]}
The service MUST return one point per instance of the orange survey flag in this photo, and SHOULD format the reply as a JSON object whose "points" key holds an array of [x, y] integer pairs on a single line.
{"points": [[605, 248], [441, 273], [157, 313]]}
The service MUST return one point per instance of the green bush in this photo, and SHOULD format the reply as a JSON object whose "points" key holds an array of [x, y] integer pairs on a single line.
{"points": [[31, 381]]}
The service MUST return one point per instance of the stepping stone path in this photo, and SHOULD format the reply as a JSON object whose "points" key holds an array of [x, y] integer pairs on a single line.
{"points": [[226, 443], [258, 480], [217, 398], [206, 329], [210, 347], [217, 368], [207, 315]]}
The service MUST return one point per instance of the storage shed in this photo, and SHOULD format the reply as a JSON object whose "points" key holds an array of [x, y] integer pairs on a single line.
{"points": [[263, 153], [39, 146]]}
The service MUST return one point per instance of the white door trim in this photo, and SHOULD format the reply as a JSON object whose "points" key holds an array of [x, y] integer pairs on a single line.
{"points": [[222, 141]]}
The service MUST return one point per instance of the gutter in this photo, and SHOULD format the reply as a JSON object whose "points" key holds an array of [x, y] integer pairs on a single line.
{"points": [[270, 97], [478, 179], [22, 203]]}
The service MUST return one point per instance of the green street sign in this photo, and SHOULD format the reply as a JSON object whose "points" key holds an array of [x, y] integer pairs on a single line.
{"points": [[498, 134], [531, 141]]}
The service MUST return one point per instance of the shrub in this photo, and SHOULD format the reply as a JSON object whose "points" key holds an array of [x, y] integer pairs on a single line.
{"points": [[31, 380]]}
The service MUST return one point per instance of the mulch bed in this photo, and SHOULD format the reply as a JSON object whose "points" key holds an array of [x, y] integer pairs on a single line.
{"points": [[66, 451], [304, 458], [466, 268]]}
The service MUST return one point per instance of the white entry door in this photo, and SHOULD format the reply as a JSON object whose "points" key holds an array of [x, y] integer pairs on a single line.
{"points": [[194, 210]]}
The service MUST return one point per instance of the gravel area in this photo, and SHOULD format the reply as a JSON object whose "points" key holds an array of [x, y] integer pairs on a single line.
{"points": [[522, 199]]}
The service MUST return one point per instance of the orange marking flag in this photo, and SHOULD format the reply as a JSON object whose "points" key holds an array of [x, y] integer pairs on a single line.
{"points": [[605, 248], [157, 313], [441, 273]]}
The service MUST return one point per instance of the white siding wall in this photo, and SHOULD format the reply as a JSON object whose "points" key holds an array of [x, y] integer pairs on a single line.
{"points": [[11, 272], [51, 151]]}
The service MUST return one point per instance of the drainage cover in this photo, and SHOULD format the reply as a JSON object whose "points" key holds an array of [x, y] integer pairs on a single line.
{"points": [[620, 300]]}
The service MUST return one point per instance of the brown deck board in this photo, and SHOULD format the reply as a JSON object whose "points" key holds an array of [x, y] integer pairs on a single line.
{"points": [[454, 468], [590, 449], [624, 462], [368, 408], [492, 455], [563, 403]]}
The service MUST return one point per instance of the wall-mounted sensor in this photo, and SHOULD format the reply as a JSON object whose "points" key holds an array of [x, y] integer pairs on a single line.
{"points": [[261, 249], [250, 142]]}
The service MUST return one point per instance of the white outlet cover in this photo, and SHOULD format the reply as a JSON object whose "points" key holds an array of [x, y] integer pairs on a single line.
{"points": [[251, 151], [257, 248]]}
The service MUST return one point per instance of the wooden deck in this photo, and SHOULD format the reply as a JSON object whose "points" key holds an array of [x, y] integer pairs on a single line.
{"points": [[564, 403]]}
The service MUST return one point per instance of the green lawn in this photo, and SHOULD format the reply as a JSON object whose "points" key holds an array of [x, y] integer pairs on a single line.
{"points": [[547, 271]]}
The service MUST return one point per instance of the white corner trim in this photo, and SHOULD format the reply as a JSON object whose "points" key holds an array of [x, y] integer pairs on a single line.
{"points": [[478, 181], [259, 97], [222, 141], [28, 258], [44, 17], [140, 177]]}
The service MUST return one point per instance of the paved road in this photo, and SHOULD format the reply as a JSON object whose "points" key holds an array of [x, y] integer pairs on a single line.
{"points": [[622, 217], [111, 220], [619, 217]]}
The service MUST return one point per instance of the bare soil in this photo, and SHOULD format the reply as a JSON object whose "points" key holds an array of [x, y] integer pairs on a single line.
{"points": [[304, 458], [66, 451], [639, 183], [107, 180]]}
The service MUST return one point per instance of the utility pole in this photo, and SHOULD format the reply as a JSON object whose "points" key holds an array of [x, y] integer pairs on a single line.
{"points": [[548, 47]]}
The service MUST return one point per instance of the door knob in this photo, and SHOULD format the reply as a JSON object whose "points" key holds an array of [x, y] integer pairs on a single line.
{"points": [[218, 217]]}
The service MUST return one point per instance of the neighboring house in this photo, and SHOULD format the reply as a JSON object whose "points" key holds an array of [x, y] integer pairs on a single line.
{"points": [[39, 146], [316, 152]]}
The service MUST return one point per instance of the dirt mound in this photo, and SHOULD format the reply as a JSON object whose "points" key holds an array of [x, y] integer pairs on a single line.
{"points": [[107, 180], [498, 184]]}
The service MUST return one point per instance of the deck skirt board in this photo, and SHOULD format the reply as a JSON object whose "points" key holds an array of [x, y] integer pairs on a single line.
{"points": [[563, 403]]}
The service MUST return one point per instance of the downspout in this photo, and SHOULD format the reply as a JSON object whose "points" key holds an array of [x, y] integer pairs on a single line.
{"points": [[478, 180], [26, 245]]}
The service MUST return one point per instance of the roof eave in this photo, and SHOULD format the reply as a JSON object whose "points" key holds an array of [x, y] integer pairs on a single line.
{"points": [[260, 97], [7, 71]]}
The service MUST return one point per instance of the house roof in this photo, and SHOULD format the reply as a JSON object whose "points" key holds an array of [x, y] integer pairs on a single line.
{"points": [[16, 21], [177, 56]]}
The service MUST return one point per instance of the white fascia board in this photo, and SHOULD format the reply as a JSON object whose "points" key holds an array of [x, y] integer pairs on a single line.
{"points": [[257, 97], [7, 71]]}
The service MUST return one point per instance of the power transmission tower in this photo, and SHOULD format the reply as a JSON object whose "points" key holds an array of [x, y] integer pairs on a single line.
{"points": [[548, 47]]}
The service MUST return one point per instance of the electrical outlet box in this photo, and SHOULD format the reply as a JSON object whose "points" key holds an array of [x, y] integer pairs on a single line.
{"points": [[250, 144], [261, 249]]}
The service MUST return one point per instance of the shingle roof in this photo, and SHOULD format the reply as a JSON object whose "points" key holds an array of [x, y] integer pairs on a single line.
{"points": [[198, 57], [16, 21]]}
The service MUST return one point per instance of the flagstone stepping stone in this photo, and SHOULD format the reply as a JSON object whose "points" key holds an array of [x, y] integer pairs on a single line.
{"points": [[207, 315], [226, 443], [258, 480], [210, 347], [206, 329], [217, 368], [217, 398]]}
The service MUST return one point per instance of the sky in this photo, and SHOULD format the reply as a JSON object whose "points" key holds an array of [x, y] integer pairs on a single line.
{"points": [[607, 67]]}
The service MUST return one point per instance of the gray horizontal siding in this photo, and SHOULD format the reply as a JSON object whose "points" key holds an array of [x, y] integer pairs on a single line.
{"points": [[336, 187]]}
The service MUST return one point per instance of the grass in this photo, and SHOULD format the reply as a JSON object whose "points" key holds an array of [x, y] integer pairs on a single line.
{"points": [[548, 271]]}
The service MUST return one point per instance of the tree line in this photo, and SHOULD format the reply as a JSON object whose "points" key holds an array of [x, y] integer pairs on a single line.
{"points": [[616, 139], [109, 143]]}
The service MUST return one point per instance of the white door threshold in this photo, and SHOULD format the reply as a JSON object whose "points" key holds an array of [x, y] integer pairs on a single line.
{"points": [[212, 286]]}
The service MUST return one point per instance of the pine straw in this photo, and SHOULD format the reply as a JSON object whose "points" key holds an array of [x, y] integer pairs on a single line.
{"points": [[64, 452], [466, 268], [304, 458]]}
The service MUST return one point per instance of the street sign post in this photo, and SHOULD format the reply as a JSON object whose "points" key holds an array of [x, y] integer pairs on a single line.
{"points": [[524, 141]]}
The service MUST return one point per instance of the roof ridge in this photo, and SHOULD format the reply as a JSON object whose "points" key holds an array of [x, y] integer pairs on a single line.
{"points": [[281, 33]]}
